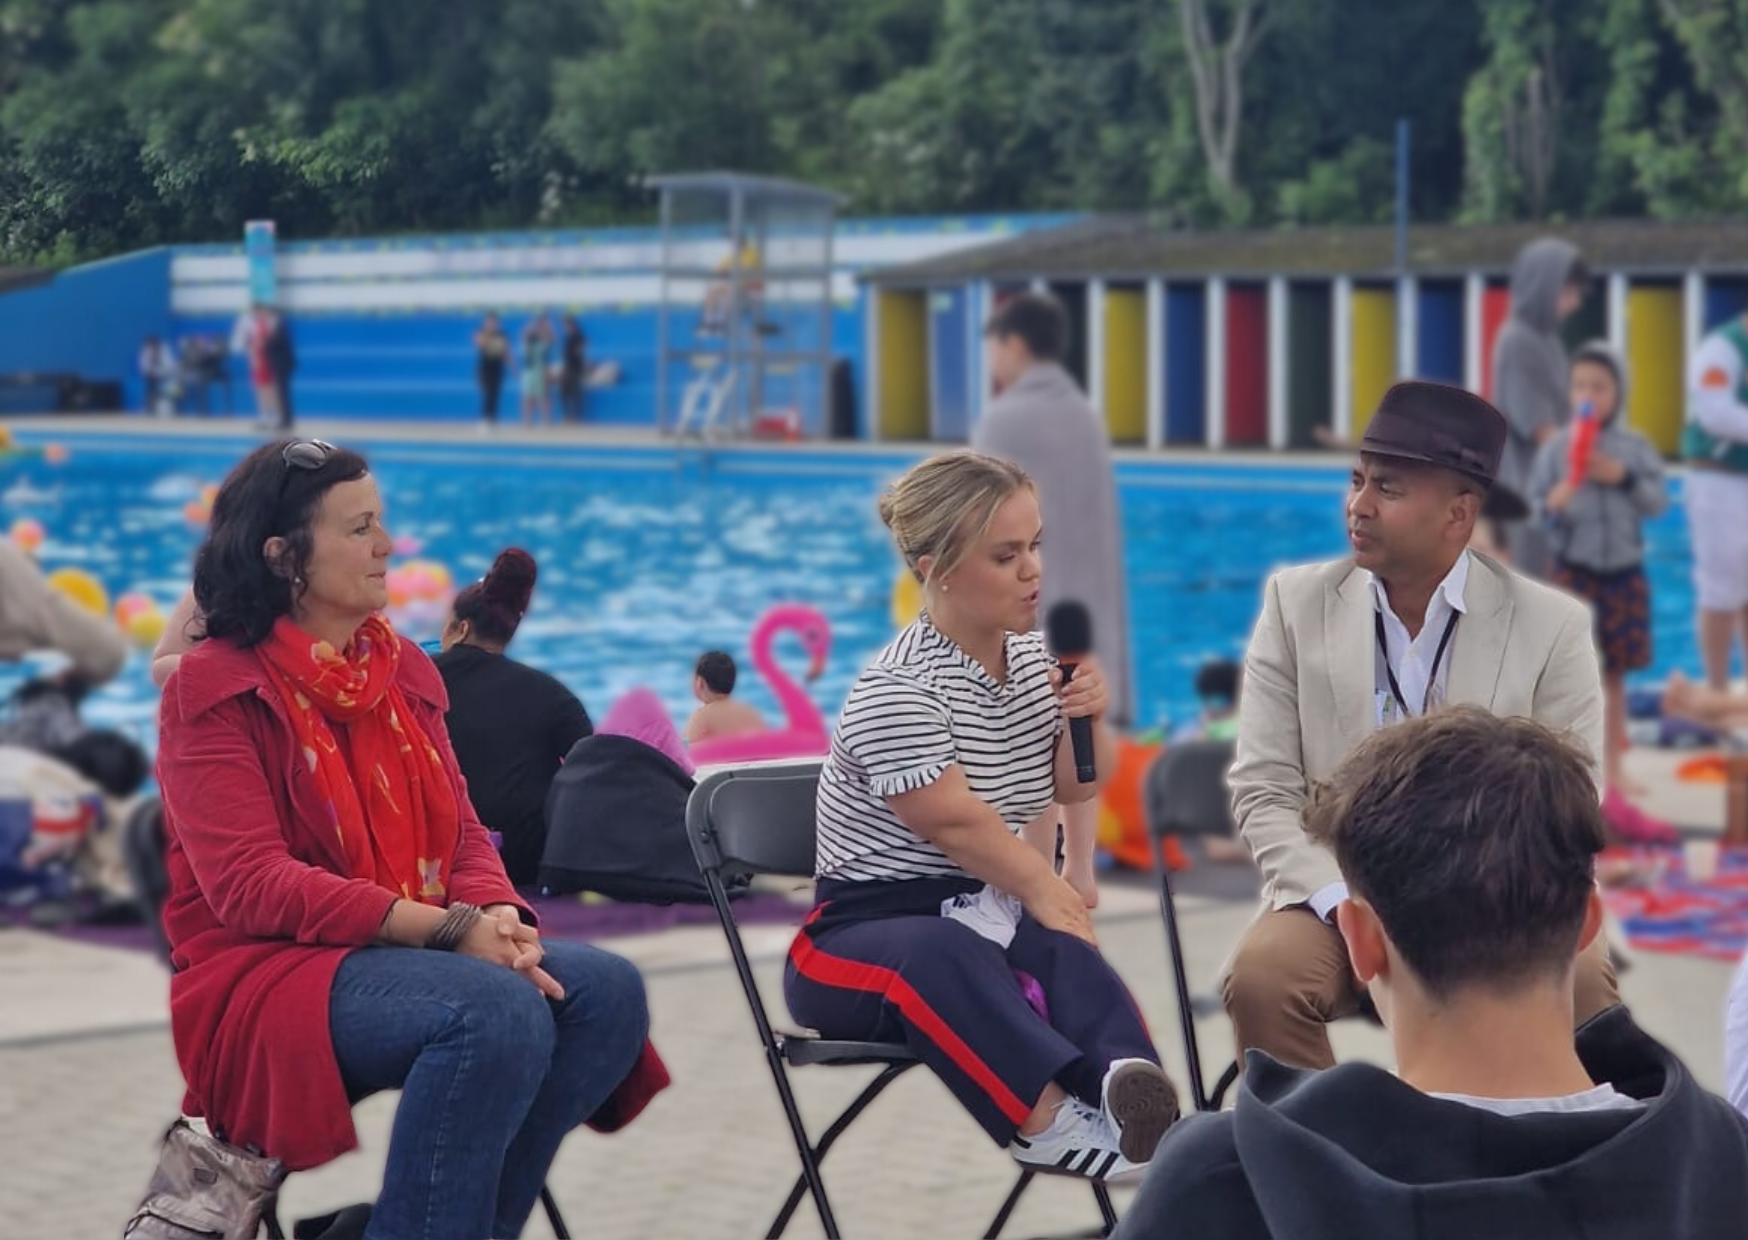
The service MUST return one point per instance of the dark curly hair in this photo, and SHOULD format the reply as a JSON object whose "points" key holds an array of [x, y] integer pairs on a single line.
{"points": [[494, 605], [239, 594]]}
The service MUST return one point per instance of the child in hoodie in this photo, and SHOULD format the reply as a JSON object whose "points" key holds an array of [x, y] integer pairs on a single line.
{"points": [[1595, 524]]}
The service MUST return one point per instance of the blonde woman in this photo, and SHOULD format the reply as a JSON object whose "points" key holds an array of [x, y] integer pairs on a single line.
{"points": [[936, 924]]}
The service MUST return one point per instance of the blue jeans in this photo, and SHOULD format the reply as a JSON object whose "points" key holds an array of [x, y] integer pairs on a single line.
{"points": [[492, 1076]]}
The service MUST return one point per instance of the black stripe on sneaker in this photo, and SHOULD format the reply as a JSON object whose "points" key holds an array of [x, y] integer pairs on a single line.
{"points": [[1065, 1160], [1104, 1167]]}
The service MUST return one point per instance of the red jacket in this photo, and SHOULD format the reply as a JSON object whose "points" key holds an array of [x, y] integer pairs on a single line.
{"points": [[259, 916]]}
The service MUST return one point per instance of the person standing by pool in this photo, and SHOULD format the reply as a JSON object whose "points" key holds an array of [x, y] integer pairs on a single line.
{"points": [[536, 382], [249, 338], [493, 349], [281, 363], [1530, 374], [1714, 444], [928, 908], [511, 724], [573, 369], [1042, 423], [1411, 621]]}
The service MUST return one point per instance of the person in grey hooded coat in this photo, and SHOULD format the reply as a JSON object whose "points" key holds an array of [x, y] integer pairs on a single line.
{"points": [[1530, 373], [1042, 423]]}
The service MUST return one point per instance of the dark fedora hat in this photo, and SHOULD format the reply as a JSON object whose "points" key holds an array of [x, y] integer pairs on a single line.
{"points": [[1504, 504], [1438, 425]]}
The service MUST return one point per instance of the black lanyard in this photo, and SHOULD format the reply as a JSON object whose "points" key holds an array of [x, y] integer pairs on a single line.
{"points": [[1437, 658]]}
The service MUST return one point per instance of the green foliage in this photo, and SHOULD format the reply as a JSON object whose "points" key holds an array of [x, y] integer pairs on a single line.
{"points": [[134, 122]]}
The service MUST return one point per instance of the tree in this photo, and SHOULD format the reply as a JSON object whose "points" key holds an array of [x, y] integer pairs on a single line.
{"points": [[1513, 110], [1217, 66], [1714, 33]]}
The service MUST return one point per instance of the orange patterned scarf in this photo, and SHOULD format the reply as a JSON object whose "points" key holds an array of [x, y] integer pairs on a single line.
{"points": [[389, 799]]}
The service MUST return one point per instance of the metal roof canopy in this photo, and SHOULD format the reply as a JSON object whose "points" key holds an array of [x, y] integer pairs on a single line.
{"points": [[750, 187], [1134, 247]]}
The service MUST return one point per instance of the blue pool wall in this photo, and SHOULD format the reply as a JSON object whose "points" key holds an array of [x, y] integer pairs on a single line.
{"points": [[383, 327]]}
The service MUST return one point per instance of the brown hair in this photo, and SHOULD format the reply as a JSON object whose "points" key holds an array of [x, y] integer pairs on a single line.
{"points": [[941, 507], [1474, 838]]}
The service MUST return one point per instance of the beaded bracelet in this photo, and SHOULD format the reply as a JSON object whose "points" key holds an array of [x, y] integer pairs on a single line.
{"points": [[458, 919]]}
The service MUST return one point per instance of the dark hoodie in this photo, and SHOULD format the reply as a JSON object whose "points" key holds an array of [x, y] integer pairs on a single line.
{"points": [[1352, 1153], [1529, 359]]}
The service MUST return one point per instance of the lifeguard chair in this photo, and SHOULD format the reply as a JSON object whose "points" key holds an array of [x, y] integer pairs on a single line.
{"points": [[745, 331]]}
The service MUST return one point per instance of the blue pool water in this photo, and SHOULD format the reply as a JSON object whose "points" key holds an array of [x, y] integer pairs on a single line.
{"points": [[647, 559]]}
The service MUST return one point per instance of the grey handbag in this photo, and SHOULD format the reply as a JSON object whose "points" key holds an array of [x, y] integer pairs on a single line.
{"points": [[205, 1189]]}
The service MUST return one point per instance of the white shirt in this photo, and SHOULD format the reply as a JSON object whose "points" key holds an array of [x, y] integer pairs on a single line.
{"points": [[1713, 377], [1596, 1098], [1411, 659]]}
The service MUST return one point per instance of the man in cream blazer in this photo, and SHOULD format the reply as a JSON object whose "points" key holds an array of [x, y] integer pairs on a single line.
{"points": [[1413, 620]]}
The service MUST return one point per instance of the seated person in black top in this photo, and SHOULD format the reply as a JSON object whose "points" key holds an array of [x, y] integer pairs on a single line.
{"points": [[1466, 925], [511, 725]]}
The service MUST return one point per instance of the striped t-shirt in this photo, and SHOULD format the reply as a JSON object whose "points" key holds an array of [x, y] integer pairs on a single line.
{"points": [[921, 706]]}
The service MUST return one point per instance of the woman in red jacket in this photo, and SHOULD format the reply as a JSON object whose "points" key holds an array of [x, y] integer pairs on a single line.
{"points": [[339, 921]]}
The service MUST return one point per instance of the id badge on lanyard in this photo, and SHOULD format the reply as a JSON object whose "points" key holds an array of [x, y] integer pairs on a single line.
{"points": [[1392, 705]]}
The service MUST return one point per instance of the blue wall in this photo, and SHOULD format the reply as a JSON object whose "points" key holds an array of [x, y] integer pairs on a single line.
{"points": [[422, 365], [90, 320], [1186, 363], [1725, 299], [1440, 338], [950, 362]]}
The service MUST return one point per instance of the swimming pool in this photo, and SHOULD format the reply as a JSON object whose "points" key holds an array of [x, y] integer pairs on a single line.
{"points": [[648, 558]]}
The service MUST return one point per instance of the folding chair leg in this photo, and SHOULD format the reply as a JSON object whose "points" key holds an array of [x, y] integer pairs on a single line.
{"points": [[548, 1204], [1228, 1079], [270, 1219], [1107, 1211], [1175, 949], [874, 1089], [1101, 1194], [1007, 1207], [773, 1054]]}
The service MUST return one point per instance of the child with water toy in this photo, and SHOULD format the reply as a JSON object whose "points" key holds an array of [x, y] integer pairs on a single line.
{"points": [[1595, 482]]}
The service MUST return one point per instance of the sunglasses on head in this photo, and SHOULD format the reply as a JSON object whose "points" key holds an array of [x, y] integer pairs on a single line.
{"points": [[307, 453]]}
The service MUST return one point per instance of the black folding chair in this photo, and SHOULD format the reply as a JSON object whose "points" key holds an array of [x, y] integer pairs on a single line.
{"points": [[1187, 795], [760, 820], [143, 852]]}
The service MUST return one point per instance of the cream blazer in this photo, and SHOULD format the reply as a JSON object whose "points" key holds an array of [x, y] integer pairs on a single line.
{"points": [[1521, 648]]}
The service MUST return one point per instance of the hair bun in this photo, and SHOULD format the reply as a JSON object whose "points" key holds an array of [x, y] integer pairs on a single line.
{"points": [[510, 584]]}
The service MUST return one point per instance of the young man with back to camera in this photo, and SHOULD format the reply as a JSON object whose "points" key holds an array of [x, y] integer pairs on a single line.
{"points": [[1466, 928]]}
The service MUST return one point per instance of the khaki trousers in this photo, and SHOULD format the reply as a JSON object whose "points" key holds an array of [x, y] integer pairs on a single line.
{"points": [[1291, 977]]}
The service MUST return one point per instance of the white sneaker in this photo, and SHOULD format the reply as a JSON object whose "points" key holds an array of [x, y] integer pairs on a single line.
{"points": [[1139, 1105], [1078, 1142]]}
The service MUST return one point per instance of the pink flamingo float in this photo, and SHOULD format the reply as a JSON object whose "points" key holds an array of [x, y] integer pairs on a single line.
{"points": [[805, 734]]}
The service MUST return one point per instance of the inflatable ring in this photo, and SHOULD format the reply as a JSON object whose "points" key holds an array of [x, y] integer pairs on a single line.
{"points": [[82, 589], [146, 627], [907, 599], [1709, 769], [27, 535]]}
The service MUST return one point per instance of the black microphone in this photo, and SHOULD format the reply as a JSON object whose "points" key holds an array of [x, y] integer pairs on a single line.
{"points": [[1068, 628]]}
